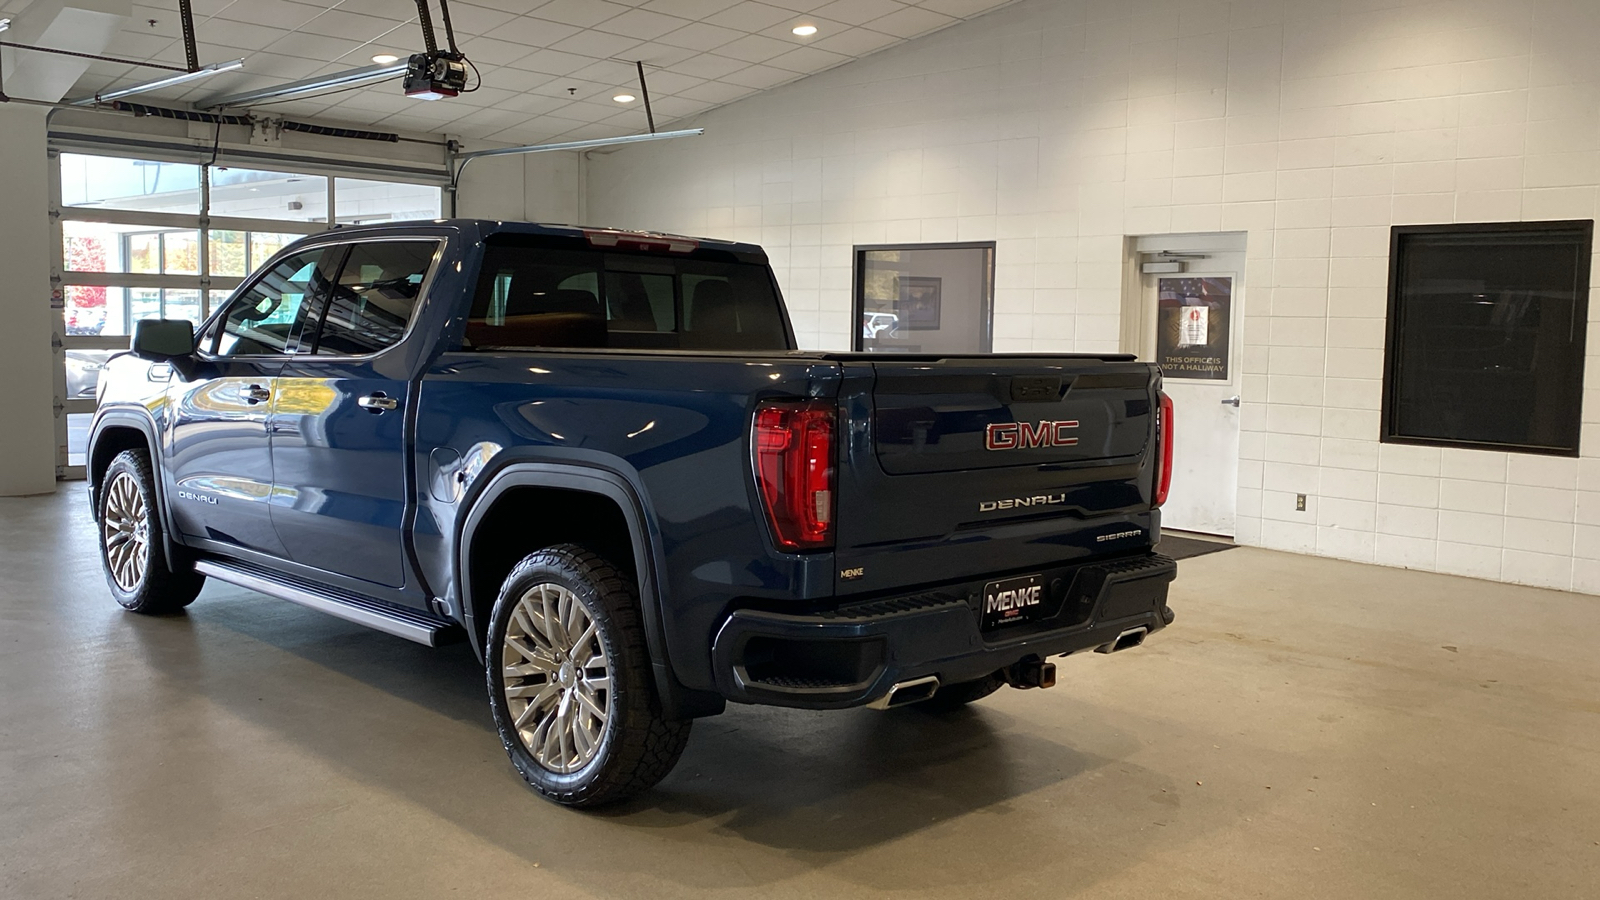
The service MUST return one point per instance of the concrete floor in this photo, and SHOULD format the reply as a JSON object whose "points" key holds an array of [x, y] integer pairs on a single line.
{"points": [[1308, 728]]}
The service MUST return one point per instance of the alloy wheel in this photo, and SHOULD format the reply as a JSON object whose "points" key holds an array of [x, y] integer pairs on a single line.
{"points": [[126, 532], [557, 678]]}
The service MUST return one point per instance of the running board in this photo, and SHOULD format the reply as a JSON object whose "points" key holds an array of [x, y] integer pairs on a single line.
{"points": [[404, 623]]}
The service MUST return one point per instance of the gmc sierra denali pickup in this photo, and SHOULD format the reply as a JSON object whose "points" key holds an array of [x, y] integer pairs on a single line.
{"points": [[597, 456]]}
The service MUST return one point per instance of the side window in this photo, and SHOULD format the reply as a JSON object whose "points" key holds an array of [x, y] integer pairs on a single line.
{"points": [[269, 317], [377, 293], [544, 299]]}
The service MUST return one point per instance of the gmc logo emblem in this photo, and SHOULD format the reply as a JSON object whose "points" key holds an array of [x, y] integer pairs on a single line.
{"points": [[1023, 436]]}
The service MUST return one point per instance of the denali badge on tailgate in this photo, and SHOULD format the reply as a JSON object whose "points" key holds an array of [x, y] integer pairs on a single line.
{"points": [[1023, 436], [1012, 601]]}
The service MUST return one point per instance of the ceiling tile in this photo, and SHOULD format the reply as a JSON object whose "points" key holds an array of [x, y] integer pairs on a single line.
{"points": [[349, 25], [910, 22], [750, 17], [488, 51], [689, 9], [240, 34], [669, 108], [515, 80], [856, 42], [609, 71], [701, 36], [536, 104], [655, 55], [597, 44], [717, 92], [312, 46], [859, 12], [273, 13], [470, 19], [755, 48], [709, 65], [583, 13], [760, 77], [803, 60], [553, 62], [663, 82], [534, 32], [642, 24], [962, 9]]}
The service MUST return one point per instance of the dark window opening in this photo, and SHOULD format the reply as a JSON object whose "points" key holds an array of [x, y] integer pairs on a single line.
{"points": [[537, 296], [1486, 335]]}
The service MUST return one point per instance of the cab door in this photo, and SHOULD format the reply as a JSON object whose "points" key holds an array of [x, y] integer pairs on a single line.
{"points": [[339, 427], [219, 454]]}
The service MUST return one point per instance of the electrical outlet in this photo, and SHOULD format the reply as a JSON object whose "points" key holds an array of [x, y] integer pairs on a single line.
{"points": [[1300, 502]]}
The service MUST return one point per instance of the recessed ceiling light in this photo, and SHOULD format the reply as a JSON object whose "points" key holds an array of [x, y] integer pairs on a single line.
{"points": [[624, 98], [383, 59], [805, 30]]}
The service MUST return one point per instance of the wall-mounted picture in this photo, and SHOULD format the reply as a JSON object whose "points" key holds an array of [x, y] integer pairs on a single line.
{"points": [[1192, 338], [920, 299]]}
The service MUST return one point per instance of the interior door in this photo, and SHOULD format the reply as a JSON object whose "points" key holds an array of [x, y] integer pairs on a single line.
{"points": [[338, 430], [1194, 321], [219, 453]]}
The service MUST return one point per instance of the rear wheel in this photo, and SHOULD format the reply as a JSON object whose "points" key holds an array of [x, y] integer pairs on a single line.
{"points": [[131, 545], [955, 696], [570, 681]]}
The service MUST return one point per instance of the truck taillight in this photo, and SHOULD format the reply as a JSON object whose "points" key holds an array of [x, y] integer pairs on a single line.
{"points": [[1164, 449], [792, 446]]}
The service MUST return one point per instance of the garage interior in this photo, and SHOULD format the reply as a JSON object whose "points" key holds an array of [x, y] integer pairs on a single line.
{"points": [[1385, 687]]}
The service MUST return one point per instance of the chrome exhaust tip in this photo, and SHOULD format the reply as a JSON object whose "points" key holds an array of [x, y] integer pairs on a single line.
{"points": [[914, 691], [1127, 640]]}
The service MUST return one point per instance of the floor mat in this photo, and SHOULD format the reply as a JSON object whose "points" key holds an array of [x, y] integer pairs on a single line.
{"points": [[1183, 548]]}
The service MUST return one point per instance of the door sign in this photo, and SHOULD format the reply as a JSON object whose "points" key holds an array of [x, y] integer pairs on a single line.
{"points": [[1193, 327]]}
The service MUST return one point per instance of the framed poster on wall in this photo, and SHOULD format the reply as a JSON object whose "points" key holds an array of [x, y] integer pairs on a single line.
{"points": [[920, 299], [1194, 326]]}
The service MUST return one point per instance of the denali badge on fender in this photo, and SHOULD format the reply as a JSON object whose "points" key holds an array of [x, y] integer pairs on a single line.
{"points": [[1012, 601], [1022, 436]]}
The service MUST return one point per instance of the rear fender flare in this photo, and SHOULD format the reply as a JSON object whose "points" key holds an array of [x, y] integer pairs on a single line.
{"points": [[587, 479]]}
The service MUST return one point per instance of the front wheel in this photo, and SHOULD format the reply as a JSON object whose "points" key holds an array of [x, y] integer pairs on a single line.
{"points": [[131, 545], [570, 681]]}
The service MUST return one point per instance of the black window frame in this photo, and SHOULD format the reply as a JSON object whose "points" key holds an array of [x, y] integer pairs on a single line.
{"points": [[858, 300], [1389, 432]]}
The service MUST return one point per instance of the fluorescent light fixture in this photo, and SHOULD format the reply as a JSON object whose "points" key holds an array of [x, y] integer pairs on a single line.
{"points": [[307, 87], [805, 30], [624, 98], [5, 24], [159, 83], [384, 59]]}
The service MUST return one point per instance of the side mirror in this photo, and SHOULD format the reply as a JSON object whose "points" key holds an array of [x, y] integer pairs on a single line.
{"points": [[162, 340]]}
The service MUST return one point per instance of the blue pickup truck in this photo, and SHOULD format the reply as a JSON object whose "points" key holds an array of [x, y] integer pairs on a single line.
{"points": [[597, 456]]}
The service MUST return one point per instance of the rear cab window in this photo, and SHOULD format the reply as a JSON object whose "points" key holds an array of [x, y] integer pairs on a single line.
{"points": [[531, 294]]}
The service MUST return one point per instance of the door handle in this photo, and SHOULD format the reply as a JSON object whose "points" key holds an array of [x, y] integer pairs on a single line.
{"points": [[378, 403], [255, 393], [1232, 401]]}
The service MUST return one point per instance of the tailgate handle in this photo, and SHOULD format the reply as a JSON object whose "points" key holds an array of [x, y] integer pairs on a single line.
{"points": [[1035, 388]]}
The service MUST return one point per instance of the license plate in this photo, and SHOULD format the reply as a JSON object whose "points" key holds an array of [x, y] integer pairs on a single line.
{"points": [[1012, 601]]}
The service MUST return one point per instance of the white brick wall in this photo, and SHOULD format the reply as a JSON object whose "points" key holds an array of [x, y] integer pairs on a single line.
{"points": [[1057, 127]]}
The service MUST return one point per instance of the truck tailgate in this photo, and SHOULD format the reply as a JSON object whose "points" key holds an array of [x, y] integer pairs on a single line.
{"points": [[959, 466]]}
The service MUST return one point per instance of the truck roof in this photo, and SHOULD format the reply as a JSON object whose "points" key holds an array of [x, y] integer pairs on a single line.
{"points": [[595, 234]]}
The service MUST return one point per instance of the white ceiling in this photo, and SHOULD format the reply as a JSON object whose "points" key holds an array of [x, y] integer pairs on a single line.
{"points": [[533, 54]]}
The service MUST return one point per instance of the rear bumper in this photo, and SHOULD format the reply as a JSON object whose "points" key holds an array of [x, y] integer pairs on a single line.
{"points": [[852, 656]]}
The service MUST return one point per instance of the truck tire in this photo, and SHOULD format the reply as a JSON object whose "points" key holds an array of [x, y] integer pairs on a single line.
{"points": [[131, 545], [951, 697], [570, 681]]}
